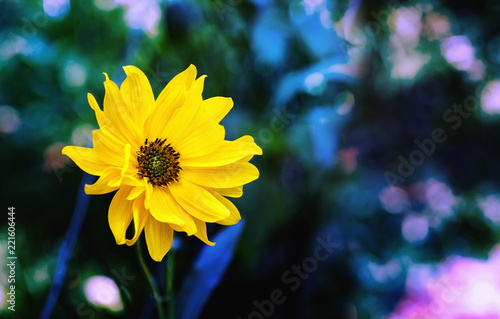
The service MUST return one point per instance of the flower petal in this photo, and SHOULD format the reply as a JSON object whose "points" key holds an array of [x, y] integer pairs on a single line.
{"points": [[181, 82], [120, 116], [108, 147], [135, 192], [186, 77], [234, 216], [184, 120], [101, 186], [141, 216], [217, 107], [129, 180], [99, 114], [86, 159], [120, 215], [198, 202], [189, 228], [166, 104], [149, 192], [159, 238], [206, 138], [226, 176], [198, 85], [137, 93], [228, 152], [164, 208], [202, 232], [126, 163], [235, 192]]}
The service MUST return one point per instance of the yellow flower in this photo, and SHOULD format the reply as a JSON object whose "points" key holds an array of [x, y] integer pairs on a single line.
{"points": [[167, 158]]}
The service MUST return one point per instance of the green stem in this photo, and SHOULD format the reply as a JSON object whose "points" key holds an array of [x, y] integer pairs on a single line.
{"points": [[170, 284], [151, 280]]}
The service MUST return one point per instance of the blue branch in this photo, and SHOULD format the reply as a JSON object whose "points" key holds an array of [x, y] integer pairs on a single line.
{"points": [[67, 246]]}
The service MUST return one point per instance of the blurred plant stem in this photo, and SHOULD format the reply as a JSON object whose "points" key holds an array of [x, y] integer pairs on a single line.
{"points": [[67, 246], [151, 280], [170, 283]]}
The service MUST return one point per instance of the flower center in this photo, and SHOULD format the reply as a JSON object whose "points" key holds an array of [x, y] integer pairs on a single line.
{"points": [[158, 162]]}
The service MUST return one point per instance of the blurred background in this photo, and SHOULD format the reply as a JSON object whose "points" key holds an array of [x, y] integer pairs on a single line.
{"points": [[379, 193]]}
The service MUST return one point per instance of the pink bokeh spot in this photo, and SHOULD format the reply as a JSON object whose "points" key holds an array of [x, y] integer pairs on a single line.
{"points": [[490, 98], [415, 228], [458, 51], [142, 15], [440, 198], [394, 199], [490, 206], [103, 292], [461, 288]]}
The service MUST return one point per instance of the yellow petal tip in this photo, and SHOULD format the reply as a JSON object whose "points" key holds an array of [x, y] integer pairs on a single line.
{"points": [[64, 151], [131, 69], [259, 150], [85, 188]]}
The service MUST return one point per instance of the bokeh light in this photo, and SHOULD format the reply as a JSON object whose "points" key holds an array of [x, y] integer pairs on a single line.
{"points": [[75, 74], [440, 198], [9, 119], [461, 288], [458, 51], [415, 228], [437, 26], [81, 135], [394, 199], [103, 292], [142, 15], [490, 98], [56, 8], [490, 206], [406, 22]]}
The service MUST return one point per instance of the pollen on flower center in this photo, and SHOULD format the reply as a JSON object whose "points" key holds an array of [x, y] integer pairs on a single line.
{"points": [[158, 162]]}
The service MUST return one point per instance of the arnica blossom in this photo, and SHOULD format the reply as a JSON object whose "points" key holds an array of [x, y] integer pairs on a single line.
{"points": [[167, 159]]}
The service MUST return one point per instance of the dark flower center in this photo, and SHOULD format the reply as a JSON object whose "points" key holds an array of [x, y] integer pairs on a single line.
{"points": [[158, 162]]}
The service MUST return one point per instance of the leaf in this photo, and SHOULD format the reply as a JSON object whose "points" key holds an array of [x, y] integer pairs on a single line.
{"points": [[208, 270]]}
